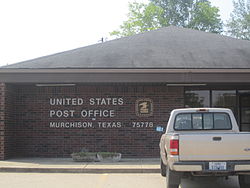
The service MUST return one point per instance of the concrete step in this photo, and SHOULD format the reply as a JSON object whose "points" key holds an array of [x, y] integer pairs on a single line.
{"points": [[66, 165]]}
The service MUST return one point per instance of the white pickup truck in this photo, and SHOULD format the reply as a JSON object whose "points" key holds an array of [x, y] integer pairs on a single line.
{"points": [[204, 142]]}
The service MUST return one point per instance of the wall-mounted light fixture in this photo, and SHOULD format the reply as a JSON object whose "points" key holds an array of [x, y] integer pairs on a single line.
{"points": [[175, 85], [54, 85]]}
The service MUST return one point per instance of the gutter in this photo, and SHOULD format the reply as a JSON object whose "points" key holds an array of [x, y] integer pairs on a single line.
{"points": [[155, 71]]}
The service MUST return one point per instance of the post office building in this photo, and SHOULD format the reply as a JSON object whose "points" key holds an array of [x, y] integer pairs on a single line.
{"points": [[117, 96]]}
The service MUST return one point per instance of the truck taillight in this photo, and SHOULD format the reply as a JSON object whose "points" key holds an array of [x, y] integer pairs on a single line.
{"points": [[174, 147]]}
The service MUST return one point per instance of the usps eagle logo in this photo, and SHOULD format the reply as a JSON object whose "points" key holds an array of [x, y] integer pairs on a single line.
{"points": [[144, 107]]}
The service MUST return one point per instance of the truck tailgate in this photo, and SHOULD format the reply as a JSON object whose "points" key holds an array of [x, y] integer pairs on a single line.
{"points": [[214, 146]]}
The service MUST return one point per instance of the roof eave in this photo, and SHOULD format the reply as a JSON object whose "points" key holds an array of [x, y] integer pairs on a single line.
{"points": [[126, 70], [125, 75]]}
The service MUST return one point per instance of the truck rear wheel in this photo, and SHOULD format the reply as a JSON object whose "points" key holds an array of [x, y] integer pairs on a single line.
{"points": [[173, 179], [163, 169], [244, 181]]}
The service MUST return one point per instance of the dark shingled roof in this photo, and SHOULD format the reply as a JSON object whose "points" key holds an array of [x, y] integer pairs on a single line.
{"points": [[170, 48]]}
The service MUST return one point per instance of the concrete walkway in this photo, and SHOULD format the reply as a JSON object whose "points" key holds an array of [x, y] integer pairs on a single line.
{"points": [[67, 165]]}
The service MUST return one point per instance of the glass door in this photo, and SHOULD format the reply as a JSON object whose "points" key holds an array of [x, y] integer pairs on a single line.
{"points": [[245, 112]]}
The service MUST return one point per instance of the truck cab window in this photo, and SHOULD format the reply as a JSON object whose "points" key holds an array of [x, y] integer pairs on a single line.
{"points": [[202, 121], [183, 121], [221, 121]]}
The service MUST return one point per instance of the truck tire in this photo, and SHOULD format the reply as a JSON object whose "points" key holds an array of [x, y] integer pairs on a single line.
{"points": [[173, 179], [244, 181], [163, 169]]}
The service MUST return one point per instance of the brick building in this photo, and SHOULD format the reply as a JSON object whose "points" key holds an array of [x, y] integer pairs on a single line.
{"points": [[113, 96]]}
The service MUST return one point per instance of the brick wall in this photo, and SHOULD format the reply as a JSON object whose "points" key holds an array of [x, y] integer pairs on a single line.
{"points": [[7, 138], [31, 117], [2, 118], [10, 122]]}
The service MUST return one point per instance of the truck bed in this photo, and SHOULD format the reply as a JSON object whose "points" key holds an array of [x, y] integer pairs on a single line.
{"points": [[214, 146]]}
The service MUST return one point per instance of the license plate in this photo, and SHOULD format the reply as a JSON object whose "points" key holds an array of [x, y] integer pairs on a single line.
{"points": [[217, 166]]}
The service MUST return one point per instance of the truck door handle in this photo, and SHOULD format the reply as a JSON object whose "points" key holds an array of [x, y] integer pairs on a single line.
{"points": [[216, 138]]}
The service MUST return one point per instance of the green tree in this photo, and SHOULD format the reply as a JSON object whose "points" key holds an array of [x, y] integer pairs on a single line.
{"points": [[177, 11], [141, 18], [197, 14], [205, 17], [239, 24]]}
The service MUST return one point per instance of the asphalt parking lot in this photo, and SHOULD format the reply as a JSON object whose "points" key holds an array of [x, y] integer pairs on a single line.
{"points": [[62, 180]]}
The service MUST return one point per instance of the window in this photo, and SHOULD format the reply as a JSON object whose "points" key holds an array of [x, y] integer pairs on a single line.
{"points": [[202, 121], [197, 121], [212, 98], [224, 99], [245, 108], [197, 98], [221, 121], [183, 121], [208, 121]]}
